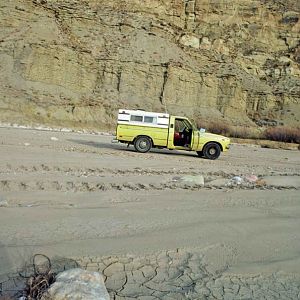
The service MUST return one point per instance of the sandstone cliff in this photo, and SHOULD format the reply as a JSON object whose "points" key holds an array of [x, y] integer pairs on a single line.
{"points": [[75, 62]]}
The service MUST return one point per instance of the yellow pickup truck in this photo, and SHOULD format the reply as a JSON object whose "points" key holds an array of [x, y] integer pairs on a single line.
{"points": [[146, 130]]}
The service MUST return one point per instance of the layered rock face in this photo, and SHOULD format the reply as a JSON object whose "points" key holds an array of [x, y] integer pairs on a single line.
{"points": [[74, 63]]}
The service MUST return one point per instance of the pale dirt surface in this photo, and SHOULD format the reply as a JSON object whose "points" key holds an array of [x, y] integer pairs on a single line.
{"points": [[114, 210]]}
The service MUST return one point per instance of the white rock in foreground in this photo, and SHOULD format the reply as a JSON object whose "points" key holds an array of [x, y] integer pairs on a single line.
{"points": [[78, 284], [190, 179], [3, 203]]}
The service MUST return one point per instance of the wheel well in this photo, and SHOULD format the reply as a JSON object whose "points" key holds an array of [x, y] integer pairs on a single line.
{"points": [[143, 136], [215, 143]]}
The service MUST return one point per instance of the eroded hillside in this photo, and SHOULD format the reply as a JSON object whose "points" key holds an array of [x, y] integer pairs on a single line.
{"points": [[74, 63]]}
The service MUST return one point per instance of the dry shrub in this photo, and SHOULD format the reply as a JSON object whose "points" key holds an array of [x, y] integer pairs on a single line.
{"points": [[217, 127], [38, 284], [222, 128], [283, 134], [5, 298], [244, 133], [278, 134]]}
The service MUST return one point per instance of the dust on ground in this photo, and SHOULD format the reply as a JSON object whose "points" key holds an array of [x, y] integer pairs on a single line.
{"points": [[153, 236]]}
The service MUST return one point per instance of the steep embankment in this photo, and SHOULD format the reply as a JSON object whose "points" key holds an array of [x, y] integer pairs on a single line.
{"points": [[73, 63]]}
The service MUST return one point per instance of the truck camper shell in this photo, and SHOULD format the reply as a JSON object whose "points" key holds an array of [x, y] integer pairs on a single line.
{"points": [[143, 118]]}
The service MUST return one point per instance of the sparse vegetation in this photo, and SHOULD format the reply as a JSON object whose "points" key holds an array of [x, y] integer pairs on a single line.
{"points": [[283, 134], [279, 134], [244, 133], [215, 127], [231, 131]]}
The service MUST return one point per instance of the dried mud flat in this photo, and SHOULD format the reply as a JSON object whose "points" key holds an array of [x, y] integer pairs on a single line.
{"points": [[128, 215]]}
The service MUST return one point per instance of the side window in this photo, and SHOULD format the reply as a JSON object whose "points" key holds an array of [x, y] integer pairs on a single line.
{"points": [[179, 125], [149, 119], [187, 124], [136, 118]]}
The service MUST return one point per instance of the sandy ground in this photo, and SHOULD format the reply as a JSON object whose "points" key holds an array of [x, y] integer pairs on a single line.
{"points": [[78, 195]]}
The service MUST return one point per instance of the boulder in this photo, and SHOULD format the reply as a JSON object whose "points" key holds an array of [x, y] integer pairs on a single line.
{"points": [[190, 179], [3, 202], [78, 284], [190, 41]]}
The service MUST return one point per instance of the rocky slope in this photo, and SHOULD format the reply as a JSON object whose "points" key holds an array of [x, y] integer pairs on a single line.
{"points": [[74, 63]]}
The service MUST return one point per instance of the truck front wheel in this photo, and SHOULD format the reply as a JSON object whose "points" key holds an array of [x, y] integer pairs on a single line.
{"points": [[142, 144], [212, 151]]}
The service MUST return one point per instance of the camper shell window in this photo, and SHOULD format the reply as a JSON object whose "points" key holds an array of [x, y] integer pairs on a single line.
{"points": [[149, 119], [136, 118], [143, 119]]}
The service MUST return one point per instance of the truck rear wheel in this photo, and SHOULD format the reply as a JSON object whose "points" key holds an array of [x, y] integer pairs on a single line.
{"points": [[142, 144], [212, 151]]}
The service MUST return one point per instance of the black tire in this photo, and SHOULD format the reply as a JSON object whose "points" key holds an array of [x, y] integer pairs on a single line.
{"points": [[200, 153], [142, 144], [212, 151]]}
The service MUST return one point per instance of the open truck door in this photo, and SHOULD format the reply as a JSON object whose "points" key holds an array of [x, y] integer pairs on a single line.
{"points": [[181, 134]]}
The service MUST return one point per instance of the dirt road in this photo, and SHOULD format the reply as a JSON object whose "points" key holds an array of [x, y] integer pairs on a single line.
{"points": [[79, 196]]}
